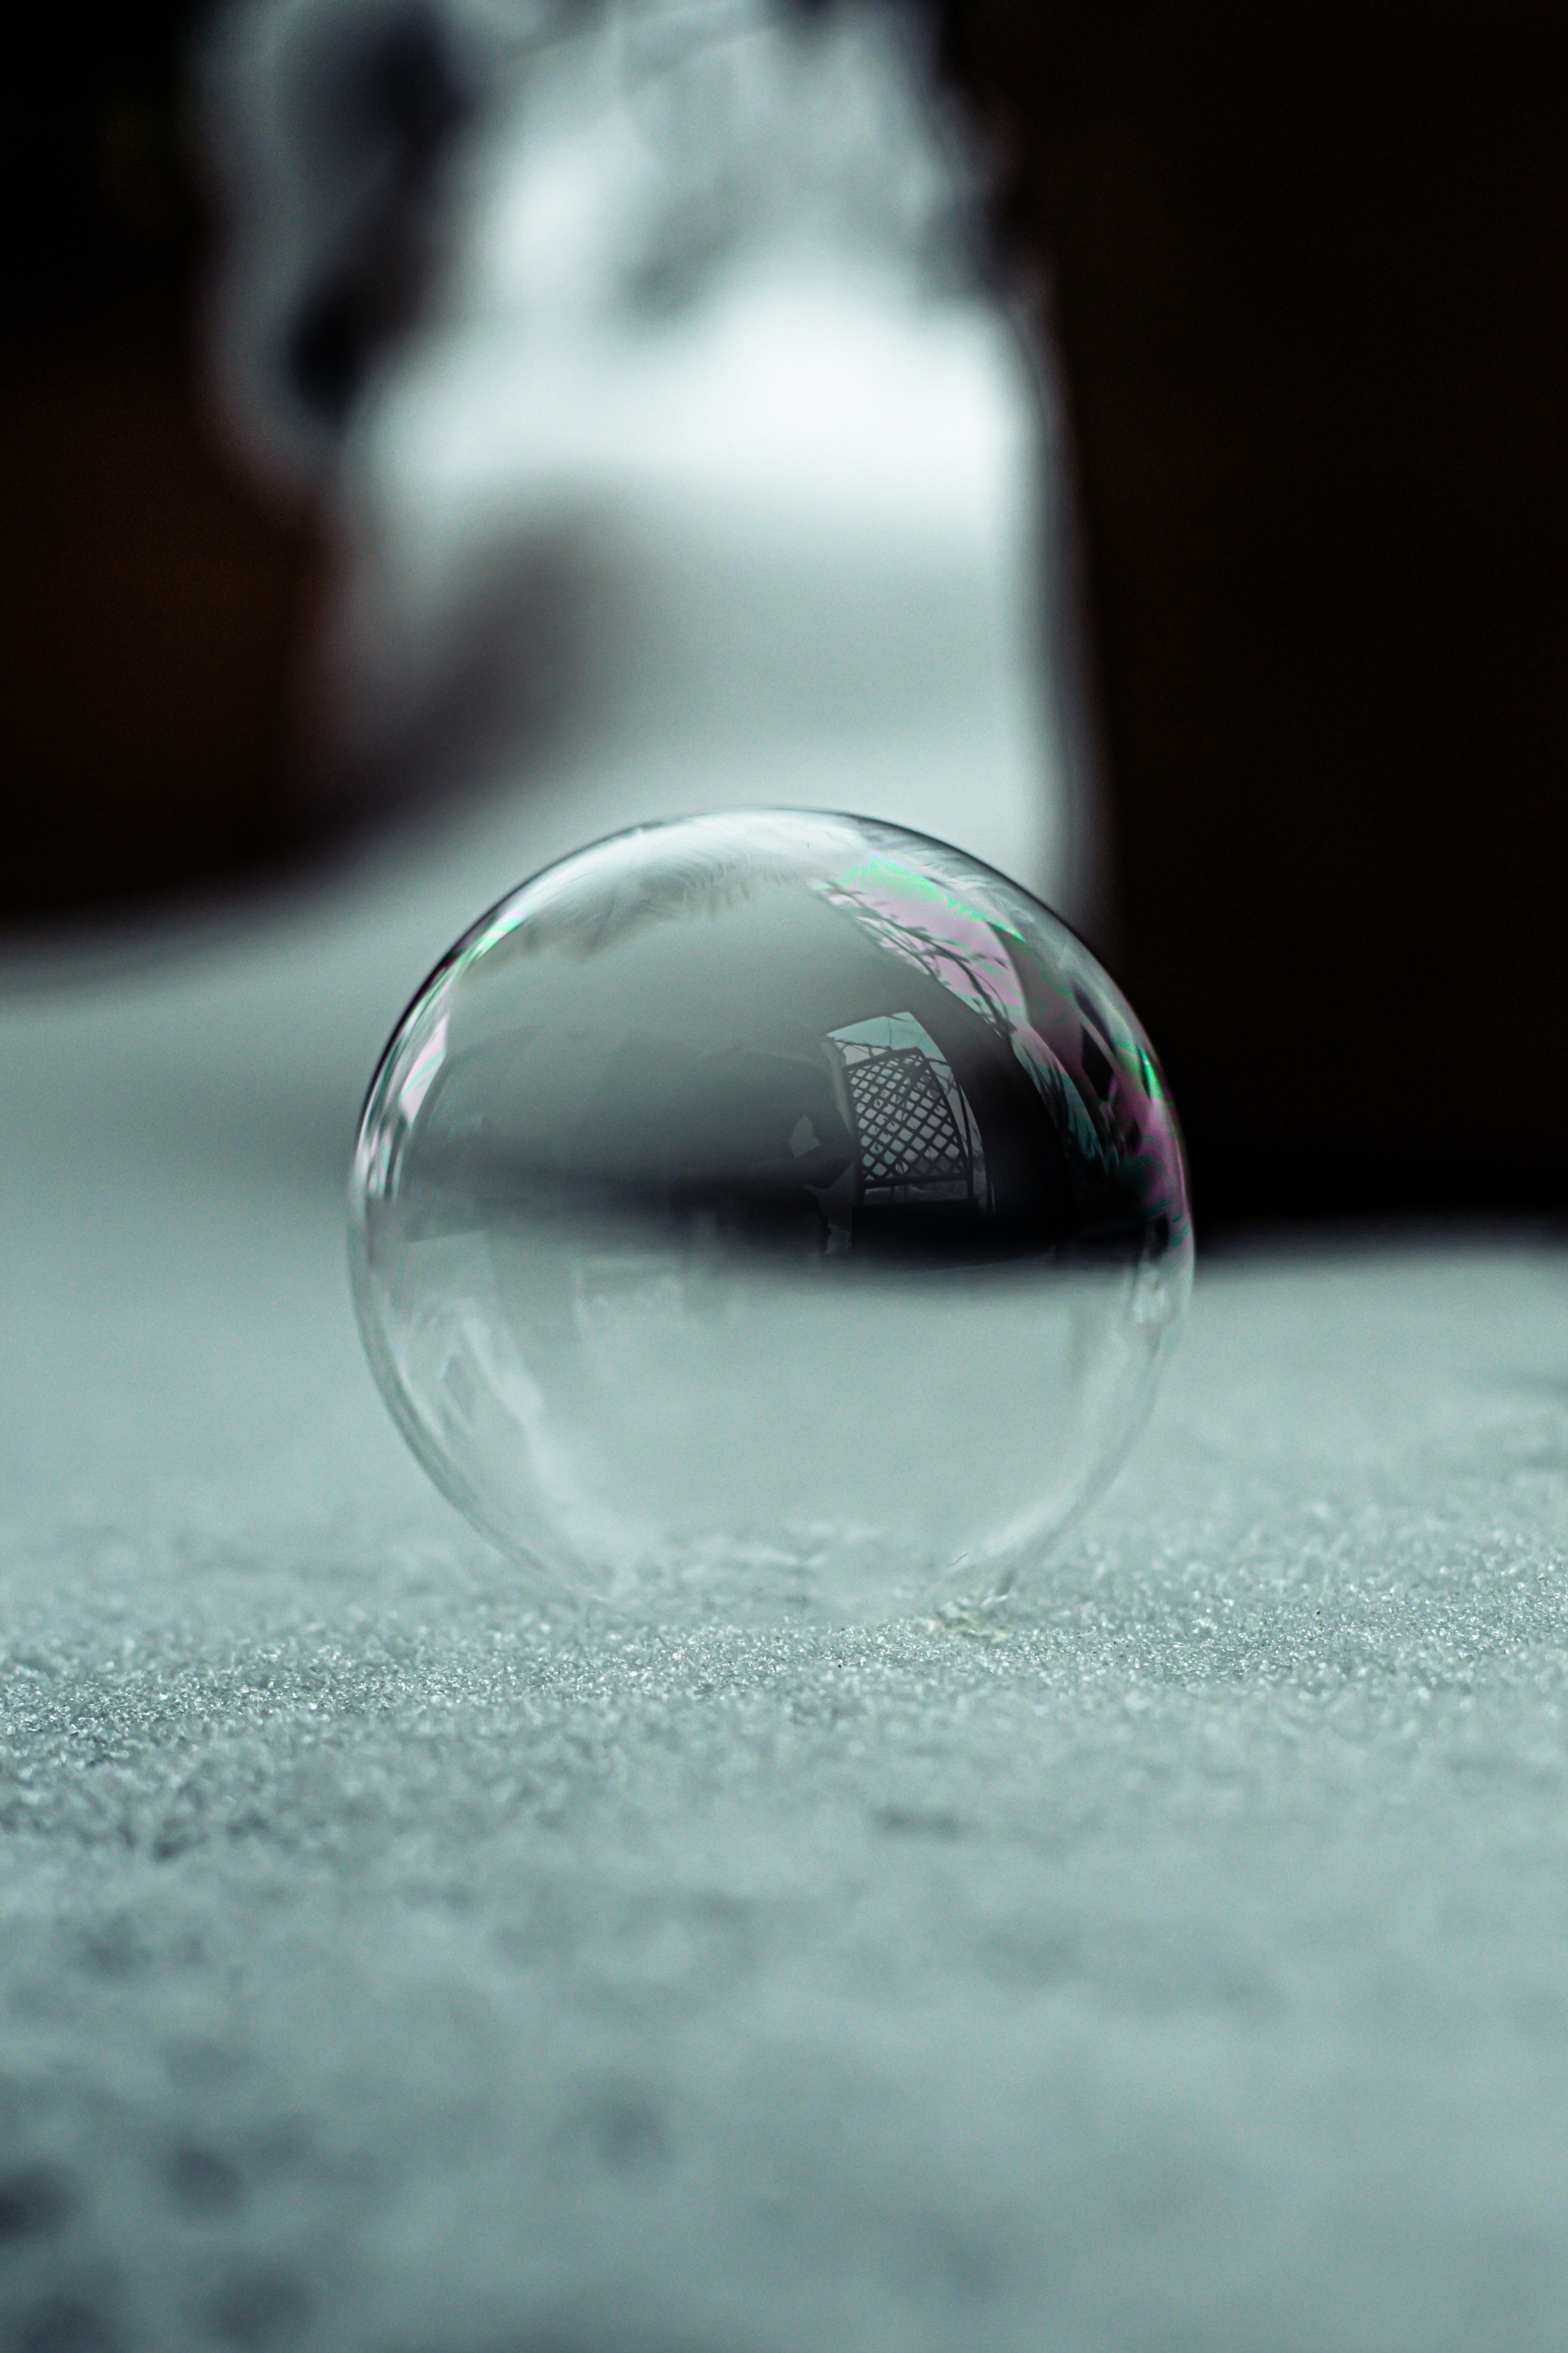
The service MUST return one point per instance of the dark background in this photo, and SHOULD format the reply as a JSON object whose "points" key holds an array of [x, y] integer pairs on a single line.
{"points": [[159, 600], [1303, 269]]}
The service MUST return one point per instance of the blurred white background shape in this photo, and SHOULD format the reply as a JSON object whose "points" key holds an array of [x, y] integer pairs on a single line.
{"points": [[718, 479]]}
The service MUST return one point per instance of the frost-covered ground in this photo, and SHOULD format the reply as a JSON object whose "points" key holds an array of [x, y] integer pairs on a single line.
{"points": [[387, 1962]]}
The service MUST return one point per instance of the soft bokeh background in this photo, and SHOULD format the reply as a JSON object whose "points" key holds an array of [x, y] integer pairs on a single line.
{"points": [[1128, 438], [714, 475]]}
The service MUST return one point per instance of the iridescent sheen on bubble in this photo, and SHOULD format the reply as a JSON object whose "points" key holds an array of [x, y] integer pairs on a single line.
{"points": [[775, 1207]]}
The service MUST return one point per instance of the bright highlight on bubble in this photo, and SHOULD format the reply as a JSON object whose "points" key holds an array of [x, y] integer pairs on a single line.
{"points": [[772, 1208]]}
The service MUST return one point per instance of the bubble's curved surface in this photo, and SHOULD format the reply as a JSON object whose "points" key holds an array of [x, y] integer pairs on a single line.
{"points": [[775, 1206]]}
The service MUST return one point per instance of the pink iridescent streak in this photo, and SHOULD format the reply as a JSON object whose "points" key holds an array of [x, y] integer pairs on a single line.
{"points": [[982, 959]]}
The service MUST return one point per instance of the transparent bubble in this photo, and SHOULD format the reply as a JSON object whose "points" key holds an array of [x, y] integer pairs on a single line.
{"points": [[774, 1207]]}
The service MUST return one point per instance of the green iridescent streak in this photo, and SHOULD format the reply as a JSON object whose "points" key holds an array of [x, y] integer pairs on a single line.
{"points": [[889, 871]]}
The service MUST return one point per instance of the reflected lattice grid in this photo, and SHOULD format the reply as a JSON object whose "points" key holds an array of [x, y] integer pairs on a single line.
{"points": [[908, 1135]]}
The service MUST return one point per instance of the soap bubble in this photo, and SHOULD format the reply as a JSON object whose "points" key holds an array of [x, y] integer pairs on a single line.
{"points": [[770, 1208]]}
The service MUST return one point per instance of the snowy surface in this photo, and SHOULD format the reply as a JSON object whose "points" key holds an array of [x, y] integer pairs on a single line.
{"points": [[390, 1961]]}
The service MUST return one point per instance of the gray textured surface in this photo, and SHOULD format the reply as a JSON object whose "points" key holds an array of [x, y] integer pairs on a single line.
{"points": [[389, 1962]]}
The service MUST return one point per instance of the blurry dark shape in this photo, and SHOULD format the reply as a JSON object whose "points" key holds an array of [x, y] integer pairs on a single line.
{"points": [[159, 598], [262, 2304], [33, 2205], [200, 2181], [331, 120], [160, 616], [64, 2323], [163, 590], [1305, 267]]}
